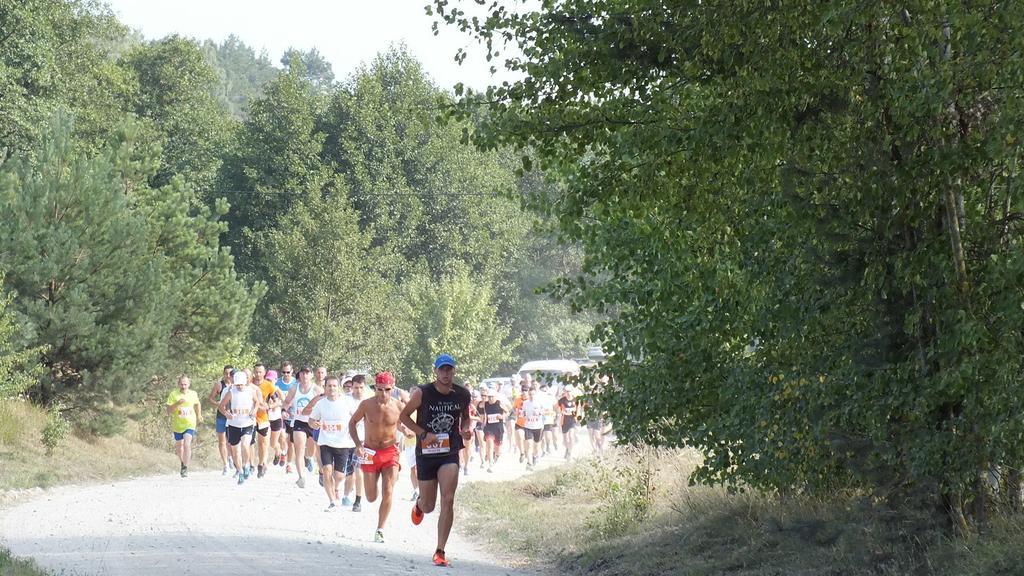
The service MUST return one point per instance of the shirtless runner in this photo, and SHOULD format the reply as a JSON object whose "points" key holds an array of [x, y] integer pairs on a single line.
{"points": [[380, 454]]}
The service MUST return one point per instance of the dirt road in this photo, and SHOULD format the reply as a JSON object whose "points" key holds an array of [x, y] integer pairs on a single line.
{"points": [[208, 525]]}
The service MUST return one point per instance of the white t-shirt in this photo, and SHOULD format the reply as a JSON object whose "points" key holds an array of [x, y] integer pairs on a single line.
{"points": [[241, 405], [334, 416], [533, 410]]}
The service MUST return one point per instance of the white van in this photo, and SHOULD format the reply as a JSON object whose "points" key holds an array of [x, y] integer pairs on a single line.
{"points": [[551, 372]]}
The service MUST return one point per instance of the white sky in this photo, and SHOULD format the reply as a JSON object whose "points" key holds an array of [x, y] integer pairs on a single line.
{"points": [[346, 32]]}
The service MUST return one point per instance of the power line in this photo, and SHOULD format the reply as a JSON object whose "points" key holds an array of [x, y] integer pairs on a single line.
{"points": [[373, 194]]}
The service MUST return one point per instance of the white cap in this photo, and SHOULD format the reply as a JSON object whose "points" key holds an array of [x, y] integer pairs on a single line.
{"points": [[239, 377]]}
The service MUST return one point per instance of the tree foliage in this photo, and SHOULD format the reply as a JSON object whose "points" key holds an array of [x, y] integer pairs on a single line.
{"points": [[242, 74], [114, 278], [455, 315], [804, 217], [52, 57], [173, 88]]}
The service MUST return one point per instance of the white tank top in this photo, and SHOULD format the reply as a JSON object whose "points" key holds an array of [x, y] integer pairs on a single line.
{"points": [[241, 405], [302, 399]]}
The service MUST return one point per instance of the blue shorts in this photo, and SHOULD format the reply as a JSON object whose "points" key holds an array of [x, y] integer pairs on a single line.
{"points": [[179, 436], [222, 425]]}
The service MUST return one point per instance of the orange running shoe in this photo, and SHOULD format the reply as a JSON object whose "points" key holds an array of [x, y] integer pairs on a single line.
{"points": [[417, 514], [440, 560]]}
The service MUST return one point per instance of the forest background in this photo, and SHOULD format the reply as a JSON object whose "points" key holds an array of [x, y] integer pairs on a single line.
{"points": [[173, 205]]}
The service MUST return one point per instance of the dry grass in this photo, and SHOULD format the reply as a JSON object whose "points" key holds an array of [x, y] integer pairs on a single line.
{"points": [[581, 519], [145, 447]]}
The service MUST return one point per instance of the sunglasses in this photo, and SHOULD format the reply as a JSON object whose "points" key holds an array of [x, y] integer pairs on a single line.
{"points": [[286, 371], [384, 389]]}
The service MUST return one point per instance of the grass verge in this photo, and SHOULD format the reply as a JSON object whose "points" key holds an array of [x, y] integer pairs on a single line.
{"points": [[634, 513], [142, 444], [14, 567]]}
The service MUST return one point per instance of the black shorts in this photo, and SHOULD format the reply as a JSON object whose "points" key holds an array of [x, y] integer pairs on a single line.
{"points": [[263, 431], [288, 429], [568, 423], [549, 427], [300, 426], [535, 435], [276, 425], [352, 465], [427, 466], [495, 430], [235, 434], [337, 458]]}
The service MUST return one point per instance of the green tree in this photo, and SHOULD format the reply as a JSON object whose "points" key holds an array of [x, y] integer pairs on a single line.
{"points": [[455, 315], [19, 366], [242, 73], [54, 56], [274, 165], [311, 66], [174, 88], [803, 218], [325, 302], [115, 279], [421, 192]]}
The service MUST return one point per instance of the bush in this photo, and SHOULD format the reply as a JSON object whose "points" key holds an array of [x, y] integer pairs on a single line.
{"points": [[55, 431], [101, 424], [626, 491]]}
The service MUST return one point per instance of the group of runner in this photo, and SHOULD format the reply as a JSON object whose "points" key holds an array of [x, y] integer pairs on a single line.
{"points": [[539, 420], [356, 439]]}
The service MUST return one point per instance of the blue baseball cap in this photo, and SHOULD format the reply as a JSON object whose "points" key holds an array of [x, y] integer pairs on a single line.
{"points": [[444, 360]]}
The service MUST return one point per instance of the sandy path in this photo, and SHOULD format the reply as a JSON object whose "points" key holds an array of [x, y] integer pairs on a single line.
{"points": [[207, 525]]}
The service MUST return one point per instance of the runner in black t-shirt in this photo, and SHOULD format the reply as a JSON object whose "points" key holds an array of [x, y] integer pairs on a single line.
{"points": [[442, 427], [569, 412]]}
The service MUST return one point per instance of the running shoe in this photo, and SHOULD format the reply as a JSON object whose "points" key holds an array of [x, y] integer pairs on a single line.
{"points": [[356, 507], [489, 469], [522, 457], [415, 495], [301, 482], [440, 560], [417, 514], [277, 460], [225, 472], [378, 536], [184, 471], [241, 479], [261, 471], [321, 479], [288, 469], [346, 501], [309, 464], [332, 507]]}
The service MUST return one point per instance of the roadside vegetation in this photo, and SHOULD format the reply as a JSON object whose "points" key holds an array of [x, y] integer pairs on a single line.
{"points": [[129, 441], [15, 567], [634, 513]]}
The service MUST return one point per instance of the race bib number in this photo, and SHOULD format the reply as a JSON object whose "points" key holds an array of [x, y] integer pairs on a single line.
{"points": [[441, 445], [185, 412], [367, 457], [493, 418], [331, 427]]}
